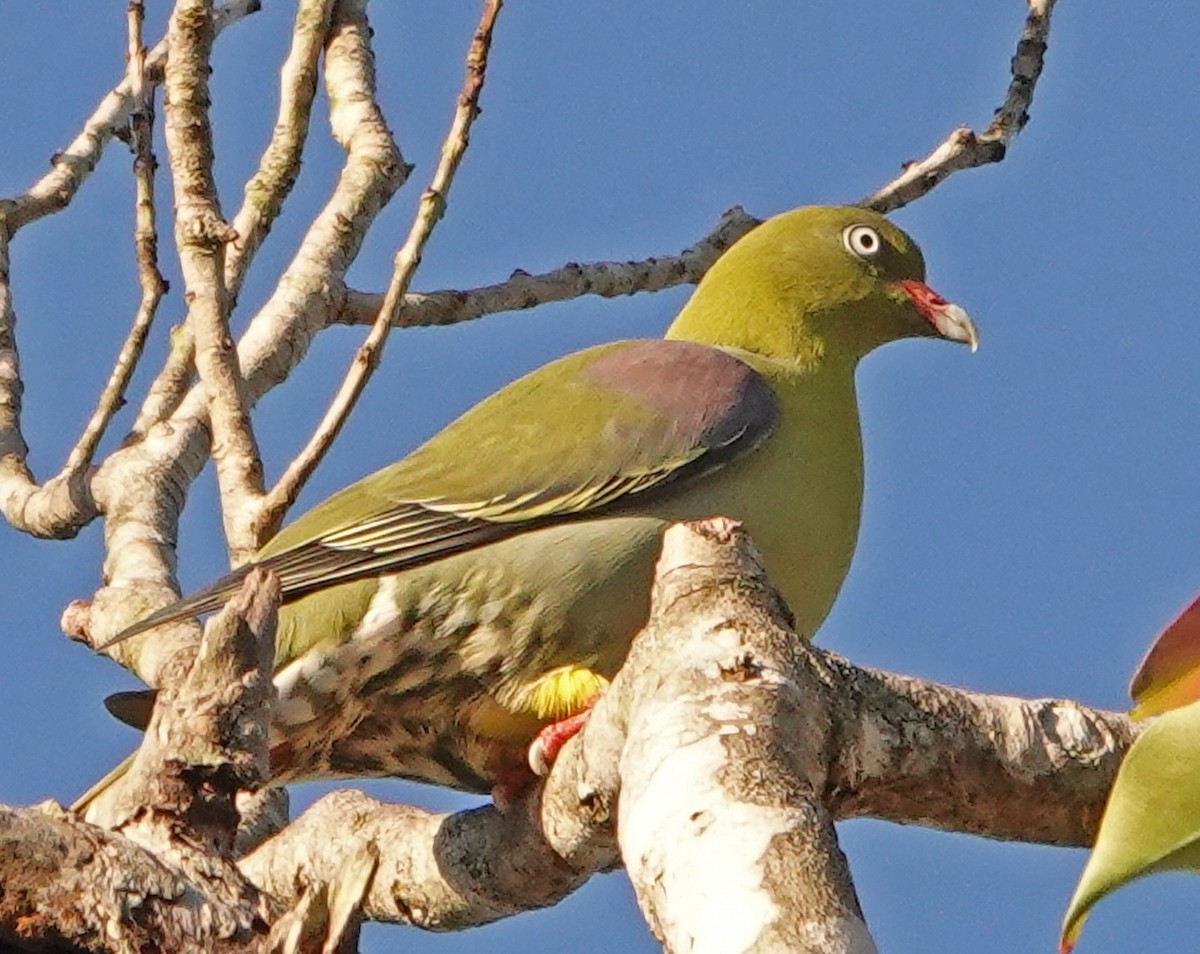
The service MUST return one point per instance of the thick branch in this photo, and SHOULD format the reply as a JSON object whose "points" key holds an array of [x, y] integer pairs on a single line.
{"points": [[1016, 769], [720, 715], [207, 738], [732, 745], [163, 879], [723, 765], [438, 872], [69, 886]]}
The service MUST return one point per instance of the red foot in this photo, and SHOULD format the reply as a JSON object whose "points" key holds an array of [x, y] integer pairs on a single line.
{"points": [[549, 741], [510, 786]]}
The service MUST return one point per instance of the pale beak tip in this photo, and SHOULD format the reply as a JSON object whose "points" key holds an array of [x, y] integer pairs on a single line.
{"points": [[949, 320], [954, 323]]}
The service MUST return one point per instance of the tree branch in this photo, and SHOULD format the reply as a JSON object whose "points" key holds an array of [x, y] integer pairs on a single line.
{"points": [[153, 285], [64, 504], [963, 149], [1020, 770], [70, 886], [201, 235], [732, 746], [429, 212], [142, 487]]}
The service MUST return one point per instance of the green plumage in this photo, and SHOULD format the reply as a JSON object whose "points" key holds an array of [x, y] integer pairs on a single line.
{"points": [[426, 605]]}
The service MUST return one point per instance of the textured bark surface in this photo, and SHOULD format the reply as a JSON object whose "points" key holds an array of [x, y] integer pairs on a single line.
{"points": [[732, 745]]}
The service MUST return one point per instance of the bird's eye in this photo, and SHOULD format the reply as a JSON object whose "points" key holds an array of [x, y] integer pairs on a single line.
{"points": [[862, 240]]}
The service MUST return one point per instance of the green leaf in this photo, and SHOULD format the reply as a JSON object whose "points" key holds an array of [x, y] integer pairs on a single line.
{"points": [[1152, 820]]}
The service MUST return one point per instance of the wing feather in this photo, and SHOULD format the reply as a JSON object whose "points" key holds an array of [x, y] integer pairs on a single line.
{"points": [[644, 416]]}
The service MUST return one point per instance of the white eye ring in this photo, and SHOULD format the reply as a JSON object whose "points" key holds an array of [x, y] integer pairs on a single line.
{"points": [[862, 240]]}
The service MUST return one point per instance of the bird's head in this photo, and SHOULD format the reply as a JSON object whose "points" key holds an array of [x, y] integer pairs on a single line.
{"points": [[819, 283]]}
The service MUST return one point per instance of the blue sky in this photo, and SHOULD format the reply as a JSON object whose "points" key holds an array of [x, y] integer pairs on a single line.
{"points": [[1031, 515]]}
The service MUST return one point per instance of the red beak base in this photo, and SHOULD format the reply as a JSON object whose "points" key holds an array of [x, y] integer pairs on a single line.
{"points": [[949, 320]]}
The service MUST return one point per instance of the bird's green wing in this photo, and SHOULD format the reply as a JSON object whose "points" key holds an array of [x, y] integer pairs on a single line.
{"points": [[596, 432]]}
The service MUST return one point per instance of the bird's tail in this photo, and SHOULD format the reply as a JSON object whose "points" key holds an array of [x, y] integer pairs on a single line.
{"points": [[89, 798], [132, 708]]}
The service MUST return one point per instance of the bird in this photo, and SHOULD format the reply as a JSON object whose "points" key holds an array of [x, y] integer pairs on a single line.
{"points": [[441, 613]]}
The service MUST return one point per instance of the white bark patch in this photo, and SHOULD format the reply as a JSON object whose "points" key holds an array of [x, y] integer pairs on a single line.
{"points": [[1076, 733], [699, 850]]}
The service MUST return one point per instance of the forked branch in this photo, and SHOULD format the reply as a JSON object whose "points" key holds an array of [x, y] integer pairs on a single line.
{"points": [[429, 212]]}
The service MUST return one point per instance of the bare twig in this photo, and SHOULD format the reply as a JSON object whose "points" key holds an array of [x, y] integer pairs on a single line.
{"points": [[522, 290], [141, 119], [280, 162], [429, 212], [201, 235], [963, 149], [73, 165]]}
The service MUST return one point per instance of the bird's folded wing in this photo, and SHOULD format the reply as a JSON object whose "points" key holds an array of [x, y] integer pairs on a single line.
{"points": [[596, 432]]}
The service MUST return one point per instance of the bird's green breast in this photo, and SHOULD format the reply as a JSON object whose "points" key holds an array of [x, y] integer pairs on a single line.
{"points": [[800, 494]]}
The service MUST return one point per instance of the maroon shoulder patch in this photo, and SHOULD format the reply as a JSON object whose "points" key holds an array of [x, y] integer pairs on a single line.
{"points": [[712, 397]]}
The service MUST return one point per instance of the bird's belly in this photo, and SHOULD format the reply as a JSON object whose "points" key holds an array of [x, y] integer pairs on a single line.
{"points": [[429, 685]]}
